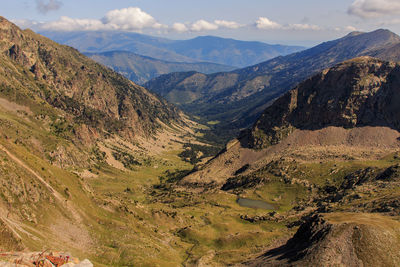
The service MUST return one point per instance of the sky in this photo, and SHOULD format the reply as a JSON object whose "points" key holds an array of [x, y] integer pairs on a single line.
{"points": [[305, 22]]}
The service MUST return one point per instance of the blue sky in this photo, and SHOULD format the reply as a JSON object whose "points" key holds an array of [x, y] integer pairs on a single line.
{"points": [[304, 22]]}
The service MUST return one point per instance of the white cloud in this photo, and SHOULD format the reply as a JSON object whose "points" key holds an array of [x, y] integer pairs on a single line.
{"points": [[345, 29], [126, 19], [179, 27], [227, 24], [70, 24], [134, 19], [203, 25], [302, 27], [51, 5], [131, 18], [374, 8], [350, 28], [264, 23]]}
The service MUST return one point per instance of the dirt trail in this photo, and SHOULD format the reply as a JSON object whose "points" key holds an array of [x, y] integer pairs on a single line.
{"points": [[63, 201]]}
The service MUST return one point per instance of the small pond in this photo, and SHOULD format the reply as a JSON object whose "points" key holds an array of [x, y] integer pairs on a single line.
{"points": [[255, 204]]}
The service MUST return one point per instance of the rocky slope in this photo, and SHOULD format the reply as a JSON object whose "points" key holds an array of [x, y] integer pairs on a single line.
{"points": [[237, 98], [74, 135], [353, 104], [339, 239], [36, 69], [356, 93], [200, 49], [140, 69]]}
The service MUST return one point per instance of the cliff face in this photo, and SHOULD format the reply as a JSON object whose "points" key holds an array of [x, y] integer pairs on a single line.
{"points": [[359, 92], [35, 69]]}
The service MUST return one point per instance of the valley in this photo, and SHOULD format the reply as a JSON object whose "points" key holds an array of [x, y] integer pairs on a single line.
{"points": [[291, 162]]}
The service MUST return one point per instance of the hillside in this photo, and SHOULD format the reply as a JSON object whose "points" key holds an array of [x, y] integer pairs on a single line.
{"points": [[74, 135], [36, 69], [201, 49], [391, 53], [325, 157], [336, 107], [237, 98], [140, 69], [339, 239]]}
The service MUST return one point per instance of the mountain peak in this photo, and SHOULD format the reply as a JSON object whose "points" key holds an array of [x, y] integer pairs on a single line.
{"points": [[385, 33], [371, 40]]}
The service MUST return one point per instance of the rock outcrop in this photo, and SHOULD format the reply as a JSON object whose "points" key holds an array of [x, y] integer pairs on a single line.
{"points": [[339, 239], [356, 93]]}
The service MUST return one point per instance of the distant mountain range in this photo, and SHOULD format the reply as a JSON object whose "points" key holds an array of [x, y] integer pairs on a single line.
{"points": [[140, 69], [237, 98], [201, 49]]}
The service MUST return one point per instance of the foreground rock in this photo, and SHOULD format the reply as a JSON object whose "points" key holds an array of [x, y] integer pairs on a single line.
{"points": [[339, 239], [47, 259]]}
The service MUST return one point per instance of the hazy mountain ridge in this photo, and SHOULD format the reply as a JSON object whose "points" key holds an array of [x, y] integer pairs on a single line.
{"points": [[240, 96], [229, 51], [140, 69], [201, 49]]}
